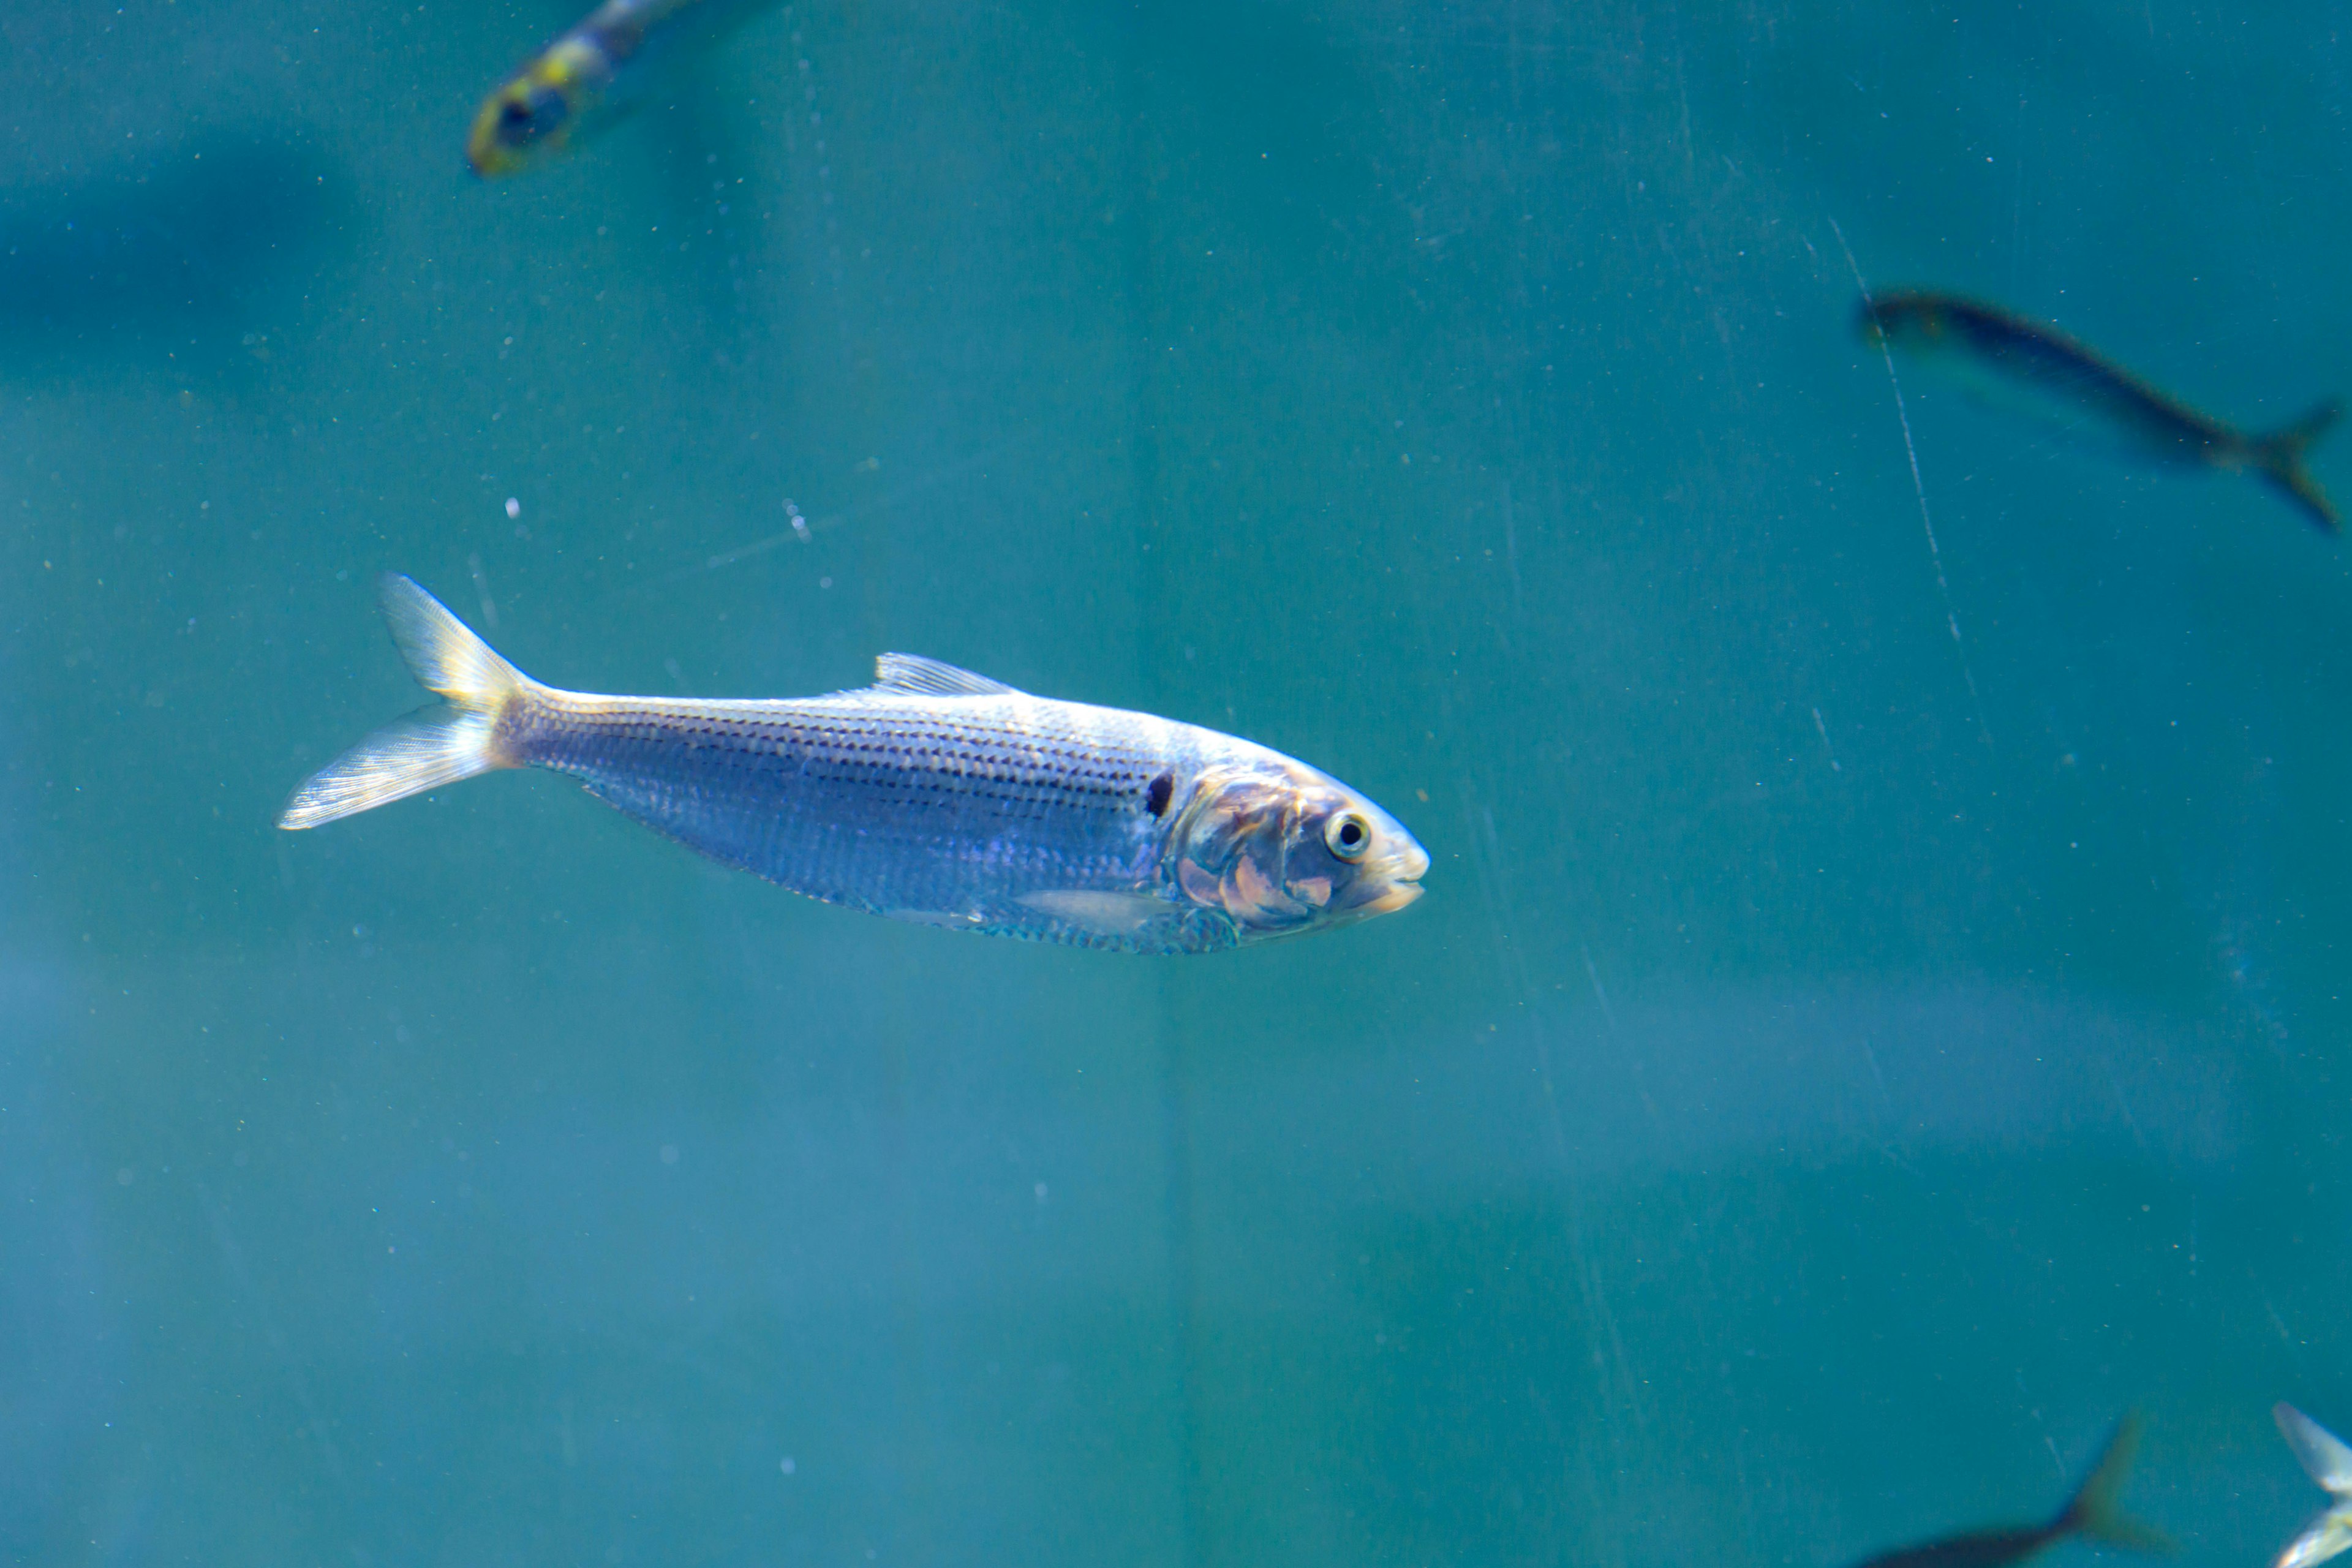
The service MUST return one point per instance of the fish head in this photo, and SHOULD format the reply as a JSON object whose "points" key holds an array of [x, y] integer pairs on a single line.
{"points": [[1903, 318], [1279, 848], [530, 117]]}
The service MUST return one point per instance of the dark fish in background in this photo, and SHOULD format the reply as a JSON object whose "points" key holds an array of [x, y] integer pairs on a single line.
{"points": [[588, 78], [176, 251], [2094, 1513], [2328, 1461], [2038, 370], [933, 795]]}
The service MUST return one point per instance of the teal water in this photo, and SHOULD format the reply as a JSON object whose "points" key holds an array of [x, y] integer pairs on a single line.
{"points": [[1811, 1103]]}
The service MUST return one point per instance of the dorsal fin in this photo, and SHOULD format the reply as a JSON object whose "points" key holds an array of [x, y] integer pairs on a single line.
{"points": [[928, 676]]}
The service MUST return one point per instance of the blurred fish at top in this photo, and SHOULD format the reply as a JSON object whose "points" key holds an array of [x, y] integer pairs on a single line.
{"points": [[589, 78], [2095, 1512], [2329, 1463], [178, 249], [2037, 370]]}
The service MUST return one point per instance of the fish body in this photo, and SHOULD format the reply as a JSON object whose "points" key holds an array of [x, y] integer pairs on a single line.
{"points": [[2328, 1461], [2036, 370], [934, 795], [1980, 1548], [587, 78], [2095, 1512]]}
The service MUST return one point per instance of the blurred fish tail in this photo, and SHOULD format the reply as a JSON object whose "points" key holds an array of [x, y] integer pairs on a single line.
{"points": [[434, 746], [2279, 459], [2095, 1511]]}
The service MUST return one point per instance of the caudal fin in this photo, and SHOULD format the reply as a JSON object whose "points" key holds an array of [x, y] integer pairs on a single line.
{"points": [[2321, 1452], [2279, 455], [2329, 1462], [434, 746], [2096, 1510]]}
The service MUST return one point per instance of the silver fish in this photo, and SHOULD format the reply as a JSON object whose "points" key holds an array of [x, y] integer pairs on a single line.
{"points": [[934, 795], [2328, 1461]]}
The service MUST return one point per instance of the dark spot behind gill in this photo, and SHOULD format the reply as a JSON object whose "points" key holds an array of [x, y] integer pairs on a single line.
{"points": [[1156, 797]]}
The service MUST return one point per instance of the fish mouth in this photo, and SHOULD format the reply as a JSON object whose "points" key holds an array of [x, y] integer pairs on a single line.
{"points": [[1399, 882]]}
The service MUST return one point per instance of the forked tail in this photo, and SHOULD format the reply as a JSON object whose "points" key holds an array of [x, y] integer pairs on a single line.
{"points": [[2096, 1510], [2279, 459], [432, 746]]}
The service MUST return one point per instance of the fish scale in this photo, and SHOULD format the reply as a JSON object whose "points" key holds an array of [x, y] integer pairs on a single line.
{"points": [[824, 797]]}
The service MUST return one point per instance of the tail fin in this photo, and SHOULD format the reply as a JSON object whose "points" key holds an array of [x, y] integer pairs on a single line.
{"points": [[434, 746], [2096, 1510], [2322, 1454], [2278, 458]]}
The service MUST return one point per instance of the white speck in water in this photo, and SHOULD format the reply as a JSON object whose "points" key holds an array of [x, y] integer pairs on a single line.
{"points": [[669, 1154], [514, 507], [825, 581], [1041, 1192], [786, 1465]]}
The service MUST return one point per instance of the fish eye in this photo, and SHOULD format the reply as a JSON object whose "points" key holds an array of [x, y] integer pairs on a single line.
{"points": [[1347, 836]]}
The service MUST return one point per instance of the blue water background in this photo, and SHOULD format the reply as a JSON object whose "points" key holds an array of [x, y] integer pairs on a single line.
{"points": [[1837, 1067]]}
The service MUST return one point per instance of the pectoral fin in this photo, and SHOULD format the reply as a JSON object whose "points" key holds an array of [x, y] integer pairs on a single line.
{"points": [[1104, 914]]}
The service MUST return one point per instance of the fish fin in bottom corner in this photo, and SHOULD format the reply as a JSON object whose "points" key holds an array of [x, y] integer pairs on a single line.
{"points": [[2327, 1537], [2321, 1453], [2095, 1510]]}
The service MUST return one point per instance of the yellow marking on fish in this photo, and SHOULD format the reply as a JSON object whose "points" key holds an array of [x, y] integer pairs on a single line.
{"points": [[531, 116]]}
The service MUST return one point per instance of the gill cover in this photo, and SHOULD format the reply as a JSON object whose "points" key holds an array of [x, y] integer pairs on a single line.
{"points": [[1283, 851]]}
